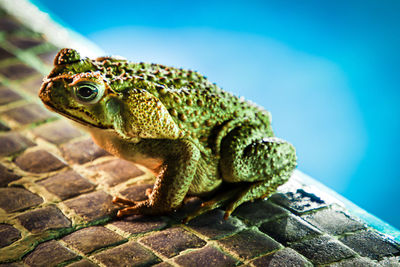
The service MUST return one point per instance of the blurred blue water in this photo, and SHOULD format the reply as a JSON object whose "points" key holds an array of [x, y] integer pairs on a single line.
{"points": [[327, 70]]}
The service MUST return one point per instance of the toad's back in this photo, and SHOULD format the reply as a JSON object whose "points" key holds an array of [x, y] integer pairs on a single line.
{"points": [[200, 108]]}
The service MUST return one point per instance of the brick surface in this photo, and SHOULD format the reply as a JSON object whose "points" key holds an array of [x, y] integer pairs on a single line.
{"points": [[48, 57], [118, 170], [137, 224], [39, 220], [82, 151], [93, 238], [289, 229], [390, 261], [50, 253], [299, 201], [3, 127], [38, 161], [323, 250], [333, 222], [136, 192], [7, 96], [92, 206], [32, 84], [8, 234], [11, 143], [57, 132], [172, 241], [13, 264], [162, 264], [129, 254], [82, 263], [24, 42], [17, 71], [207, 256], [370, 244], [284, 257], [16, 199], [4, 54], [8, 24], [357, 262], [258, 211], [7, 176], [249, 244], [30, 113], [67, 184], [213, 225]]}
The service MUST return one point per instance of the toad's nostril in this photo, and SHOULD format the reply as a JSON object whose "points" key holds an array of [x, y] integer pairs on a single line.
{"points": [[44, 92]]}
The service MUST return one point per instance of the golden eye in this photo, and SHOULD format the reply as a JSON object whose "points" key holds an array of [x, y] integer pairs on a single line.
{"points": [[88, 92]]}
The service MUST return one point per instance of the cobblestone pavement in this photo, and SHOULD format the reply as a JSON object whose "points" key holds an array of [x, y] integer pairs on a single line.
{"points": [[56, 188]]}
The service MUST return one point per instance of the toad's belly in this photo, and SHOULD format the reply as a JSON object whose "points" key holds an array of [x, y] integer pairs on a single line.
{"points": [[109, 141]]}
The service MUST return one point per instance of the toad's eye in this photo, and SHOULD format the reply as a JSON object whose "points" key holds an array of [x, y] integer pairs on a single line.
{"points": [[88, 92]]}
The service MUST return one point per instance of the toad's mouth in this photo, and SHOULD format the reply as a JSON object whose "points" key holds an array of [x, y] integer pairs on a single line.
{"points": [[71, 117]]}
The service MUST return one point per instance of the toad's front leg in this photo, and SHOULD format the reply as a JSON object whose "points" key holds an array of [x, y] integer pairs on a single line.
{"points": [[171, 185]]}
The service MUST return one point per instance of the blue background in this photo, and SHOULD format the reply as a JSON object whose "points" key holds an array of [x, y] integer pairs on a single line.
{"points": [[329, 71]]}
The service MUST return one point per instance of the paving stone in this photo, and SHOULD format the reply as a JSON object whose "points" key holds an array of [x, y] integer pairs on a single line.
{"points": [[16, 199], [92, 206], [8, 24], [11, 143], [89, 239], [118, 170], [284, 257], [48, 57], [162, 264], [207, 256], [213, 225], [43, 219], [136, 192], [333, 222], [17, 71], [30, 113], [57, 132], [249, 244], [7, 96], [82, 151], [129, 254], [172, 241], [258, 211], [4, 54], [50, 253], [370, 244], [390, 261], [298, 202], [32, 84], [7, 176], [3, 127], [191, 204], [356, 262], [38, 161], [24, 42], [12, 264], [289, 229], [137, 224], [323, 250], [82, 263], [67, 184], [8, 234]]}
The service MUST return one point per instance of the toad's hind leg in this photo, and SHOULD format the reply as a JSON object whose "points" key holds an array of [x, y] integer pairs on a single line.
{"points": [[259, 165]]}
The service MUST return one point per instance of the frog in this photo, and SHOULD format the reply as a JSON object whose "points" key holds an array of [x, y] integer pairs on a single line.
{"points": [[197, 139]]}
